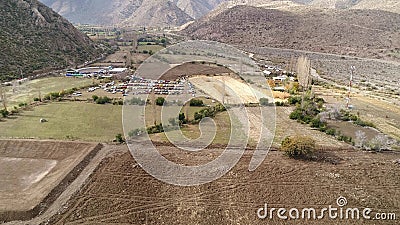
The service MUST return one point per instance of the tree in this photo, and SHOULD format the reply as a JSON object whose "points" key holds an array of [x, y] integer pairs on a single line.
{"points": [[271, 83], [379, 143], [160, 101], [303, 74], [298, 146], [361, 139], [3, 97], [264, 101]]}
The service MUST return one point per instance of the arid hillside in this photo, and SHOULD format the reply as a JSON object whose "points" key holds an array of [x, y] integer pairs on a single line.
{"points": [[366, 33], [132, 12], [33, 37]]}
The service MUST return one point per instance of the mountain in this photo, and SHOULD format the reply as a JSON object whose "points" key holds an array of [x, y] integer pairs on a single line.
{"points": [[34, 37], [132, 12], [384, 5], [161, 13], [355, 32]]}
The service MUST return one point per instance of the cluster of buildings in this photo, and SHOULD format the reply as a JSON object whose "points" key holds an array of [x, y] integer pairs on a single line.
{"points": [[278, 76]]}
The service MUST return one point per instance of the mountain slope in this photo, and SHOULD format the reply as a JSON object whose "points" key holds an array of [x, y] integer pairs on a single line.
{"points": [[34, 37], [384, 5], [161, 13], [135, 12], [360, 32]]}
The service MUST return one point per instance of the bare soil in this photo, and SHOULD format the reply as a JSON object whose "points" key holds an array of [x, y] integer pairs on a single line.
{"points": [[121, 192], [189, 69], [34, 173]]}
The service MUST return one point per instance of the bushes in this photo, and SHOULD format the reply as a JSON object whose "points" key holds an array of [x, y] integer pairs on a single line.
{"points": [[278, 103], [103, 100], [347, 116], [208, 112], [293, 100], [196, 102], [135, 101], [158, 128], [298, 146], [330, 131], [359, 122]]}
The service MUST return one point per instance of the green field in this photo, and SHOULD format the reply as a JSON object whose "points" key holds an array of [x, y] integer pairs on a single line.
{"points": [[25, 92], [66, 120]]}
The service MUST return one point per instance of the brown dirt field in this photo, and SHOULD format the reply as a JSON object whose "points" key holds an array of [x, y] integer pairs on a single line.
{"points": [[190, 69], [121, 192], [227, 88], [34, 173]]}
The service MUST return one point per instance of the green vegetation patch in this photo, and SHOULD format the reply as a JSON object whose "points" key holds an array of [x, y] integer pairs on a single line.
{"points": [[66, 120]]}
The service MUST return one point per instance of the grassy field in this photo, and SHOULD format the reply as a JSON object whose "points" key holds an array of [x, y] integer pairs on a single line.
{"points": [[25, 92], [66, 120], [153, 48], [193, 132]]}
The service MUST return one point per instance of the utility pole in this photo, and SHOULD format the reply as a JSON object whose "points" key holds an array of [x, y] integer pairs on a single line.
{"points": [[352, 68]]}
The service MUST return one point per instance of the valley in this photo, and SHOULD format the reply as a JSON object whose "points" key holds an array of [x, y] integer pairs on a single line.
{"points": [[199, 112]]}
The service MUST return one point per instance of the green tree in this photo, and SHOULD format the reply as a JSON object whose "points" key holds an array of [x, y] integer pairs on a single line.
{"points": [[160, 101], [298, 146], [119, 138], [196, 102]]}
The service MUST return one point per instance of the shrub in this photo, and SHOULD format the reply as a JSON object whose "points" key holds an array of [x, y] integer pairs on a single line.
{"points": [[4, 113], [160, 101], [158, 128], [317, 123], [264, 101], [119, 138], [330, 131], [136, 132], [298, 146], [182, 118], [36, 99], [95, 97]]}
